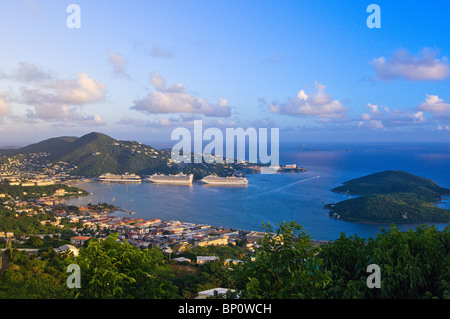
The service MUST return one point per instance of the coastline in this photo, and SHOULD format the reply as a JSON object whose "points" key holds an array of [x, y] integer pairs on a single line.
{"points": [[267, 199], [121, 210]]}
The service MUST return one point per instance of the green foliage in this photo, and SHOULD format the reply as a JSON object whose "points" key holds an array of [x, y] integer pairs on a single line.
{"points": [[414, 264], [33, 192], [397, 208], [391, 182], [192, 278], [224, 252], [113, 269], [34, 278], [116, 157], [391, 197], [202, 277], [284, 266], [23, 224], [35, 241]]}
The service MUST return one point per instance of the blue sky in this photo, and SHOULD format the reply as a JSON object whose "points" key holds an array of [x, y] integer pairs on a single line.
{"points": [[137, 70]]}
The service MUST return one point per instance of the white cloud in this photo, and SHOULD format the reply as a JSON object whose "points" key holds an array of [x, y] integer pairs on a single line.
{"points": [[317, 104], [372, 124], [373, 108], [63, 113], [59, 99], [157, 81], [437, 107], [4, 107], [138, 122], [84, 90], [425, 66], [175, 121], [119, 64], [27, 73], [176, 99], [377, 119]]}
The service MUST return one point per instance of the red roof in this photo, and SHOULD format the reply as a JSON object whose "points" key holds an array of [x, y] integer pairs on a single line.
{"points": [[80, 238]]}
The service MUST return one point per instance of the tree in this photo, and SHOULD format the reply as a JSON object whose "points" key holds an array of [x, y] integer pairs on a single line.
{"points": [[33, 278], [284, 266], [414, 264], [113, 269], [35, 241]]}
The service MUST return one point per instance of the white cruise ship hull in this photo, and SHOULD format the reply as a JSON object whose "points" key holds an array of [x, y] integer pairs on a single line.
{"points": [[125, 178], [119, 180], [171, 179], [224, 181], [169, 182]]}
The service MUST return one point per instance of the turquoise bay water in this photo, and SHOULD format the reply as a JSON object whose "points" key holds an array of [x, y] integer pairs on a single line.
{"points": [[281, 197]]}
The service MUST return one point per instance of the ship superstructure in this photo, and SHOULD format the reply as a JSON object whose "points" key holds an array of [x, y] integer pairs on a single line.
{"points": [[124, 178], [171, 179], [231, 181]]}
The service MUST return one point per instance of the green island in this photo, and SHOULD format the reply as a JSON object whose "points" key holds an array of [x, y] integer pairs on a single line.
{"points": [[391, 197]]}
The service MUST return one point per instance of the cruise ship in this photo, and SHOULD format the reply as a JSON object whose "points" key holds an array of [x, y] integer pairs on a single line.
{"points": [[225, 181], [171, 179], [125, 178]]}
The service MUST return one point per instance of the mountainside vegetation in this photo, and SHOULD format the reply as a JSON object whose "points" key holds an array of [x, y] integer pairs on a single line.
{"points": [[391, 197], [95, 153]]}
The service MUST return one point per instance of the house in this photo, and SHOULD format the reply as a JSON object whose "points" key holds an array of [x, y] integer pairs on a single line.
{"points": [[211, 292], [79, 240], [232, 261], [205, 259], [155, 222], [28, 184], [60, 192], [255, 236], [65, 248], [213, 241], [84, 209], [182, 259]]}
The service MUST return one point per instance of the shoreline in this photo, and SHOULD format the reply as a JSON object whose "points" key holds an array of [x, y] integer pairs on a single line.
{"points": [[367, 231], [120, 210]]}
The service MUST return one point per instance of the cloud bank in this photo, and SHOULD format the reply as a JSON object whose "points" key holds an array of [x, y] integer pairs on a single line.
{"points": [[426, 66], [119, 64], [317, 104], [58, 100], [437, 107], [176, 99]]}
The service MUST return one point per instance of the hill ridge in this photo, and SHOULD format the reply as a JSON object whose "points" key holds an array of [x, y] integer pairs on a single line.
{"points": [[96, 153], [391, 196]]}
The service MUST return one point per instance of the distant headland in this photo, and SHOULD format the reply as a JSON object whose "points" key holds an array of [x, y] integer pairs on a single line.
{"points": [[391, 197]]}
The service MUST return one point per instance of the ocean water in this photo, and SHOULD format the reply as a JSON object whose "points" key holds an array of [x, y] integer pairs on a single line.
{"points": [[282, 197]]}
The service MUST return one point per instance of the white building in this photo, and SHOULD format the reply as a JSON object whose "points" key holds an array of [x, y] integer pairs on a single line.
{"points": [[64, 248], [206, 259], [210, 293]]}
